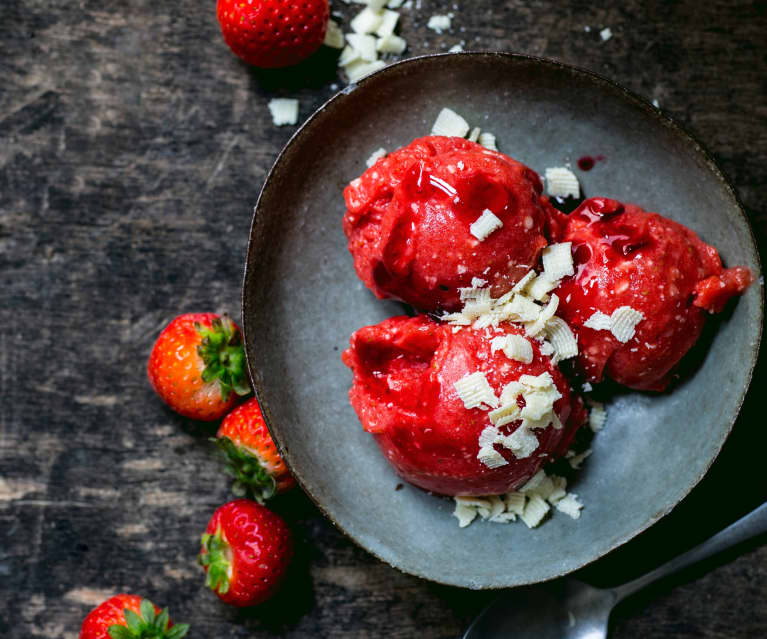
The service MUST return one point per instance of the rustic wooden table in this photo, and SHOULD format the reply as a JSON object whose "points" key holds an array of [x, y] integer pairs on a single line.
{"points": [[132, 149]]}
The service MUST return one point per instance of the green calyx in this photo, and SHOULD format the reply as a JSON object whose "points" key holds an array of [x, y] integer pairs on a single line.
{"points": [[216, 558], [250, 477], [147, 625], [223, 355]]}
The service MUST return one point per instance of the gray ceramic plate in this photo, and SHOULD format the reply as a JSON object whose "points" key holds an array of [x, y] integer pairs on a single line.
{"points": [[302, 300]]}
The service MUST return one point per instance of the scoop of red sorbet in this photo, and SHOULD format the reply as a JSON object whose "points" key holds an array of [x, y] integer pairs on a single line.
{"points": [[403, 392], [625, 256], [408, 221]]}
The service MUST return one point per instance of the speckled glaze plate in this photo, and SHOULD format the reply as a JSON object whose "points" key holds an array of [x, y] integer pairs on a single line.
{"points": [[302, 300]]}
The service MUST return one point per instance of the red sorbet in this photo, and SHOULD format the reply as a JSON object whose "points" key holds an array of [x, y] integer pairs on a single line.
{"points": [[408, 221], [625, 256], [403, 391]]}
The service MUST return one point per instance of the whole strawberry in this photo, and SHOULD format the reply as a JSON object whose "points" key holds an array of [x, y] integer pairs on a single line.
{"points": [[253, 460], [130, 617], [245, 552], [197, 365], [273, 33]]}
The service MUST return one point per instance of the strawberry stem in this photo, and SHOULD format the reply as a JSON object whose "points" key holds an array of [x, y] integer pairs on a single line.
{"points": [[215, 556], [223, 355], [147, 624], [250, 477]]}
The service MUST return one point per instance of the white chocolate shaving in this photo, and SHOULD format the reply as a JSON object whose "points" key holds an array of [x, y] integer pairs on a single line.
{"points": [[623, 323], [533, 482], [451, 124], [491, 457], [488, 140], [597, 415], [521, 309], [475, 391], [570, 506], [503, 415], [541, 287], [561, 338], [598, 321], [391, 44], [284, 111], [364, 45], [515, 502], [360, 69], [576, 459], [561, 182], [439, 24], [334, 37], [375, 156], [388, 24], [558, 261], [366, 21], [514, 347], [485, 225], [348, 56], [535, 511], [520, 286], [522, 443], [533, 328], [511, 392], [464, 512]]}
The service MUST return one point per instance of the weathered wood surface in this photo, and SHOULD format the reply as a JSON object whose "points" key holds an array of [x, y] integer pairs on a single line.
{"points": [[132, 148]]}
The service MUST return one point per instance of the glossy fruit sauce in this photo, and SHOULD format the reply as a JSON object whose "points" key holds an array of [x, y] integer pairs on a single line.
{"points": [[625, 256]]}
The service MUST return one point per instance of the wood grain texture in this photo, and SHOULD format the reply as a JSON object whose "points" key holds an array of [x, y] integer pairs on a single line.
{"points": [[132, 149]]}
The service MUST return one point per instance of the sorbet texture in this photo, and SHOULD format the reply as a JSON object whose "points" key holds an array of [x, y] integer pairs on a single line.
{"points": [[627, 257], [405, 370], [409, 221]]}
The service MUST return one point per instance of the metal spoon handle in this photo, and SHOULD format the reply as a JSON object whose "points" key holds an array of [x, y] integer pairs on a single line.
{"points": [[753, 524]]}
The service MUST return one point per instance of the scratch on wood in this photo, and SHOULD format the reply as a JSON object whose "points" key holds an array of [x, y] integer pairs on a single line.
{"points": [[89, 596], [131, 529], [96, 400], [180, 573], [162, 498], [349, 578], [144, 464], [222, 162], [12, 489], [162, 431], [101, 493]]}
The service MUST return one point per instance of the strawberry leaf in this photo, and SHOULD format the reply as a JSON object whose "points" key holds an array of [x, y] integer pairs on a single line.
{"points": [[250, 476], [133, 620], [162, 620], [223, 355], [147, 624], [147, 612], [120, 632], [178, 631]]}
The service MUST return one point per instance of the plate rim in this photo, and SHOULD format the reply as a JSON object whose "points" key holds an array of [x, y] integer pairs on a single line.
{"points": [[662, 118]]}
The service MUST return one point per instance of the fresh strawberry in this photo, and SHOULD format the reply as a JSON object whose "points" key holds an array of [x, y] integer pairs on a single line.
{"points": [[273, 33], [197, 365], [130, 617], [253, 460], [246, 550]]}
